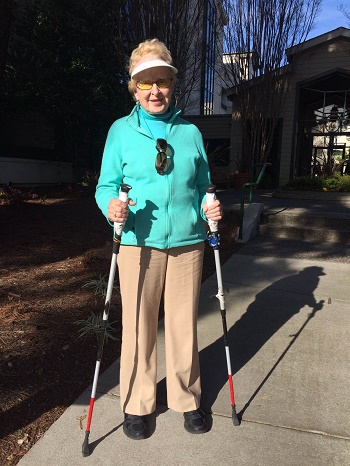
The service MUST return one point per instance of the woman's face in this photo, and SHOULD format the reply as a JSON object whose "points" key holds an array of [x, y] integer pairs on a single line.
{"points": [[155, 100]]}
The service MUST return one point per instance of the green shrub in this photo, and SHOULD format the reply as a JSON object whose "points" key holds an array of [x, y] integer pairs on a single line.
{"points": [[332, 183], [344, 183], [336, 183]]}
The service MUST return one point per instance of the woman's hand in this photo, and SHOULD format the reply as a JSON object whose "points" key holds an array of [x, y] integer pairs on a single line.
{"points": [[118, 210], [214, 211]]}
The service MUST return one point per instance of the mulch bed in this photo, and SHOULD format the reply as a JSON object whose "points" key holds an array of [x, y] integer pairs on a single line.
{"points": [[50, 246]]}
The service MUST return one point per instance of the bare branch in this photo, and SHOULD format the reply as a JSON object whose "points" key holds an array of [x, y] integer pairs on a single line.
{"points": [[256, 64], [177, 23], [345, 10]]}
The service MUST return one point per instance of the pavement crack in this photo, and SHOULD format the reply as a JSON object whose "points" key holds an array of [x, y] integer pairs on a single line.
{"points": [[299, 429]]}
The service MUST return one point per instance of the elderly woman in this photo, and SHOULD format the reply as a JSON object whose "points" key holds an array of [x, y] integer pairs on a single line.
{"points": [[162, 158]]}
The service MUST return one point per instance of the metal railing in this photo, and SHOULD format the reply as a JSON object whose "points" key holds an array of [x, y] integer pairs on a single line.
{"points": [[250, 185]]}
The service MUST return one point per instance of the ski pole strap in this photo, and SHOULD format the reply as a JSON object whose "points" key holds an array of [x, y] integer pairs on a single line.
{"points": [[118, 227], [213, 235]]}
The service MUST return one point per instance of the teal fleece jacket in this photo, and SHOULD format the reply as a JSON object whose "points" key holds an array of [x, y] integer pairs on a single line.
{"points": [[168, 210]]}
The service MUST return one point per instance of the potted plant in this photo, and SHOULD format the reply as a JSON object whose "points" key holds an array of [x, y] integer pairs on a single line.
{"points": [[218, 164]]}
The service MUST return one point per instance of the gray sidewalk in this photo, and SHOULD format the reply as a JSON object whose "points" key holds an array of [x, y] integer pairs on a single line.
{"points": [[289, 332], [279, 200]]}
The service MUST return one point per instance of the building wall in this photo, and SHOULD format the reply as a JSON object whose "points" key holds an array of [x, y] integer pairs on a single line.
{"points": [[329, 53], [307, 65], [212, 127], [27, 172]]}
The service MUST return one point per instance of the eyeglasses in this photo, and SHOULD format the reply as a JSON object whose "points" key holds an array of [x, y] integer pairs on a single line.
{"points": [[164, 83], [161, 158]]}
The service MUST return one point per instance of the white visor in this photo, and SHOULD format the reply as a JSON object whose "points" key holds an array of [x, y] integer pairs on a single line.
{"points": [[152, 64]]}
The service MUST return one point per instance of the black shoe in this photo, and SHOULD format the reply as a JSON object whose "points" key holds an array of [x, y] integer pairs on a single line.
{"points": [[195, 422], [134, 427]]}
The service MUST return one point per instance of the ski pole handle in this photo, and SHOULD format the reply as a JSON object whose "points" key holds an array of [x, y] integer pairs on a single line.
{"points": [[123, 196], [118, 227], [213, 226]]}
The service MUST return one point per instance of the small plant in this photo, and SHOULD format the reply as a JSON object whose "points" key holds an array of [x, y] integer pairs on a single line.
{"points": [[99, 285], [217, 156], [89, 179], [93, 325]]}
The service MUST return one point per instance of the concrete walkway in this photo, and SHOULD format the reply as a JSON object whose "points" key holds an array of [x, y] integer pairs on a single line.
{"points": [[289, 332]]}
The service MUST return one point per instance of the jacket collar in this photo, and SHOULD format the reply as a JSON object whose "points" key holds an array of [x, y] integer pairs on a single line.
{"points": [[134, 119]]}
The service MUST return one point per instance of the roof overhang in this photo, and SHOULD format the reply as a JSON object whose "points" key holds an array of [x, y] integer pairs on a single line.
{"points": [[340, 32]]}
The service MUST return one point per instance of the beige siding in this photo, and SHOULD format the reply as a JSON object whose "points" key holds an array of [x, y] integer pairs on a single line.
{"points": [[321, 59]]}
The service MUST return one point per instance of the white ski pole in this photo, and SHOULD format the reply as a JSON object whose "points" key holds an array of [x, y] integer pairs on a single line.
{"points": [[118, 228], [213, 238]]}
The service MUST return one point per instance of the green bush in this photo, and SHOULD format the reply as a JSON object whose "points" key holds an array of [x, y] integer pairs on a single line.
{"points": [[332, 183], [344, 183], [335, 183]]}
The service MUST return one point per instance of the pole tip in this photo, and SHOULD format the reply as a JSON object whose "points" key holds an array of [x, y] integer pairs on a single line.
{"points": [[235, 419], [85, 448]]}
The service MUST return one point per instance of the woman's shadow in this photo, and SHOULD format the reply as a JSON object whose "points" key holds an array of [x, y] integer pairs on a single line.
{"points": [[256, 326]]}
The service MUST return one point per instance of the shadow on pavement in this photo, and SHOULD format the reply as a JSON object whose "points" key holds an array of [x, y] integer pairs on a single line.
{"points": [[256, 326]]}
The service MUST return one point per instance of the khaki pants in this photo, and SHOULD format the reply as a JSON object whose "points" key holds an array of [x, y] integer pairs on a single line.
{"points": [[143, 273]]}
